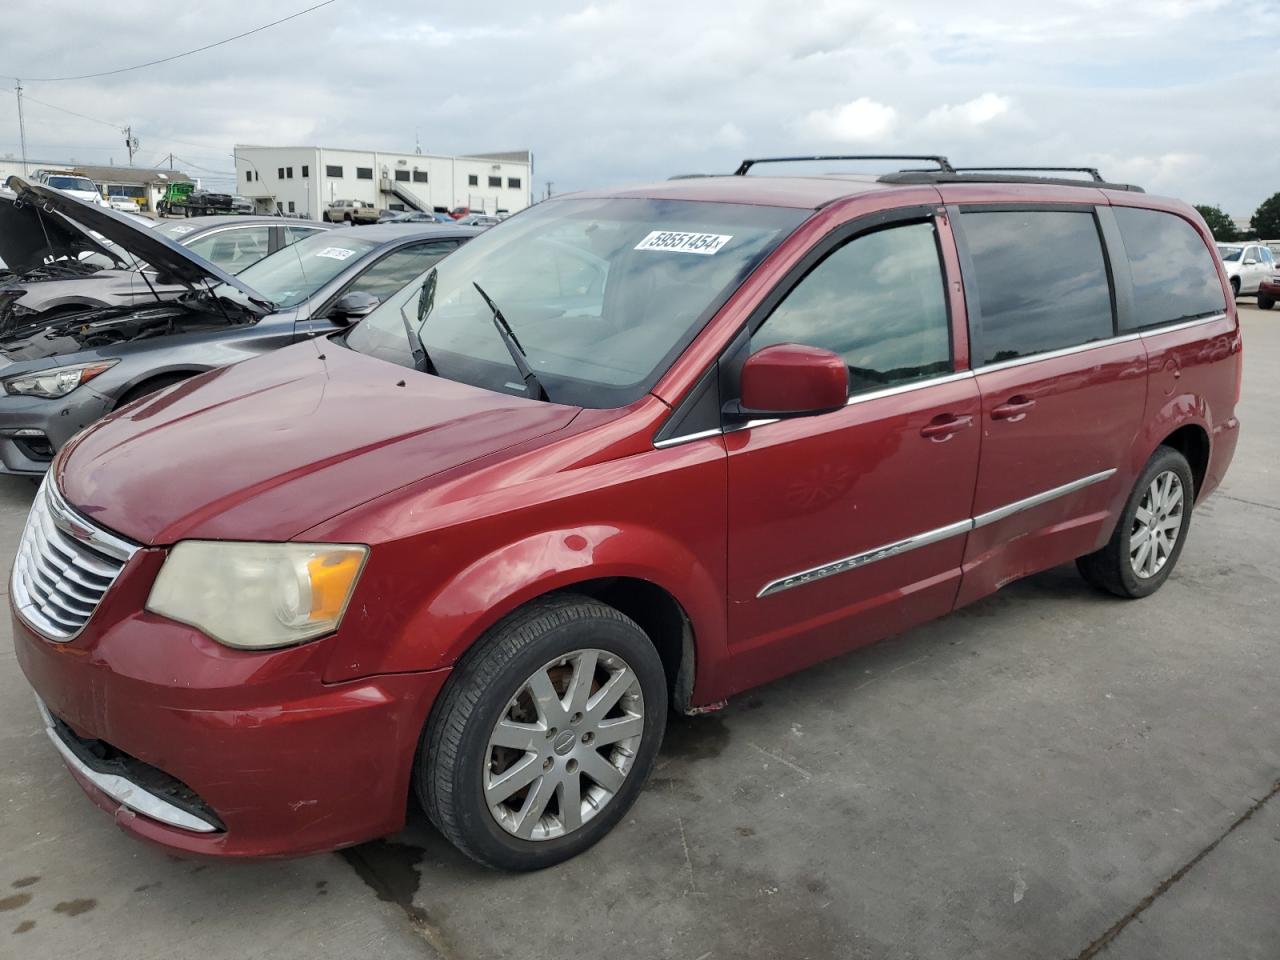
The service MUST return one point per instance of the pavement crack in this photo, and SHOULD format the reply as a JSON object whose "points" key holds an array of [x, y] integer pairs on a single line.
{"points": [[1252, 503], [1102, 942]]}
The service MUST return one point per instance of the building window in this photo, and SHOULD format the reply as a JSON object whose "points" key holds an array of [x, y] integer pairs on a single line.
{"points": [[288, 173], [364, 173], [332, 171], [473, 180], [291, 206], [402, 176], [306, 171], [495, 181], [419, 176], [280, 173], [248, 176], [513, 183]]}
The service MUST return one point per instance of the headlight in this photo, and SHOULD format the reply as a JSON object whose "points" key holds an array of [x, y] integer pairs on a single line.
{"points": [[257, 595], [56, 381]]}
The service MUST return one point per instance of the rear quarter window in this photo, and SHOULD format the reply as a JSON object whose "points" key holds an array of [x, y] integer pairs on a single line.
{"points": [[1041, 281], [1174, 273]]}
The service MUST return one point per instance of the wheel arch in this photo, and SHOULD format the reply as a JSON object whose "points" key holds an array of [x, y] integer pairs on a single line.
{"points": [[1192, 441], [150, 376]]}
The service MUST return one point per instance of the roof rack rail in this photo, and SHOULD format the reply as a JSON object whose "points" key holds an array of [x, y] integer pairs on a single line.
{"points": [[944, 165], [985, 175], [1091, 171]]}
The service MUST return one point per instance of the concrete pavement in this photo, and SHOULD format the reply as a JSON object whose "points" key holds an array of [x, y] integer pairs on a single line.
{"points": [[1050, 773]]}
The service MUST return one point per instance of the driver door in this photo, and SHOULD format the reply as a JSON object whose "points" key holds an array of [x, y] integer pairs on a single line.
{"points": [[848, 526]]}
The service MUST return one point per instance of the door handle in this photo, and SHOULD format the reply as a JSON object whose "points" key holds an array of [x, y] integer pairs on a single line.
{"points": [[1013, 409], [943, 426]]}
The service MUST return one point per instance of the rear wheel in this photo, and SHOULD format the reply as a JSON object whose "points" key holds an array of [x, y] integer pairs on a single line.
{"points": [[1235, 286], [544, 735], [1149, 536], [1265, 303]]}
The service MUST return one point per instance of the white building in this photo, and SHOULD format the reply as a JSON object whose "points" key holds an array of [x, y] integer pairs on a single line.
{"points": [[304, 180]]}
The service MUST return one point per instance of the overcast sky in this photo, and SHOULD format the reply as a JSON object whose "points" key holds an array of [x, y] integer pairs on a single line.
{"points": [[1182, 97]]}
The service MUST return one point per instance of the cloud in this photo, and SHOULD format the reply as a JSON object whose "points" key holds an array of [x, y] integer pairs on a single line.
{"points": [[968, 115], [860, 121]]}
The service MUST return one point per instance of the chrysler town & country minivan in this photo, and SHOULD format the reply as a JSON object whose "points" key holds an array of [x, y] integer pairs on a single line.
{"points": [[628, 450]]}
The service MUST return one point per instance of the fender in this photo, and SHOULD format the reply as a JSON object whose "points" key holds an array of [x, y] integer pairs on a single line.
{"points": [[452, 618], [1178, 410]]}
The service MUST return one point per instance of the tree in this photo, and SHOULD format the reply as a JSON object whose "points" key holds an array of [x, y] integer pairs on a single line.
{"points": [[1220, 225], [1266, 219]]}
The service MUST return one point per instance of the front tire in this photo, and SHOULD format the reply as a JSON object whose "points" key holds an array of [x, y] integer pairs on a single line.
{"points": [[1235, 288], [1265, 303], [1150, 533], [544, 735]]}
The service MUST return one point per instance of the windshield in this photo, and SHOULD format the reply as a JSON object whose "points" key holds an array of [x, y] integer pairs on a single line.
{"points": [[602, 294], [73, 183], [1230, 253], [290, 275]]}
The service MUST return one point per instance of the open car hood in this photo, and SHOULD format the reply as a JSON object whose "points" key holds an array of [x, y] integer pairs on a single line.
{"points": [[28, 237], [172, 261]]}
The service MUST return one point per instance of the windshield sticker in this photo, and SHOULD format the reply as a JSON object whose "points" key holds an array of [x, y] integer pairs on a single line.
{"points": [[180, 231], [336, 253], [703, 243]]}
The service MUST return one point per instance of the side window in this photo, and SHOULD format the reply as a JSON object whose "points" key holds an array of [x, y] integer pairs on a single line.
{"points": [[396, 269], [235, 249], [294, 234], [1041, 281], [1175, 276], [879, 301]]}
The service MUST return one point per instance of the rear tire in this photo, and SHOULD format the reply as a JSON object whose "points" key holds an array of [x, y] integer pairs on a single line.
{"points": [[1265, 303], [558, 644], [1235, 287], [1151, 517]]}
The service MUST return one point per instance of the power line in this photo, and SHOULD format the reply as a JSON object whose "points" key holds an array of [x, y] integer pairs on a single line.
{"points": [[53, 106], [196, 166], [176, 56]]}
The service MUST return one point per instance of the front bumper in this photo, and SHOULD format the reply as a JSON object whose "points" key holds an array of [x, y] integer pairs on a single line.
{"points": [[55, 420], [271, 760]]}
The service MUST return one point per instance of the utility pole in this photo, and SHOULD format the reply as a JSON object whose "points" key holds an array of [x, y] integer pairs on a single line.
{"points": [[130, 142], [171, 162], [22, 128]]}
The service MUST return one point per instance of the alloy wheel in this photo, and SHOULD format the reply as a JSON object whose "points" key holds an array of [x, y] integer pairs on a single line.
{"points": [[1156, 525], [564, 745]]}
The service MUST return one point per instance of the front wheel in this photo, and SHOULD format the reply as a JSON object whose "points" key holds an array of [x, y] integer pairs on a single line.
{"points": [[1235, 287], [1265, 303], [544, 735], [1150, 534]]}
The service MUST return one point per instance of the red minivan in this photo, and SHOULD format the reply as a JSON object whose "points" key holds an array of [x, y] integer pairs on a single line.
{"points": [[629, 451]]}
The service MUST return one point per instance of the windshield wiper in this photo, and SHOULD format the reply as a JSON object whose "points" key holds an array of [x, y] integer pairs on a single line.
{"points": [[418, 349], [518, 356]]}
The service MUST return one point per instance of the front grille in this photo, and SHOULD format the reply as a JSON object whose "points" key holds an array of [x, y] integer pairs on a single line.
{"points": [[65, 565]]}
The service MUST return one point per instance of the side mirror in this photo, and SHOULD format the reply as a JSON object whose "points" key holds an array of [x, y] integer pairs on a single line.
{"points": [[1250, 262], [352, 306], [791, 380]]}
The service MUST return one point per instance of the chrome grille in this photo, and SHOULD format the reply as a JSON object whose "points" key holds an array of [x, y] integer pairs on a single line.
{"points": [[65, 565]]}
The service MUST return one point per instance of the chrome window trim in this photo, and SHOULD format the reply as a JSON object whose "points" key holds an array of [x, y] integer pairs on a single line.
{"points": [[900, 547], [122, 790], [845, 564], [1180, 325], [1009, 509], [1054, 354], [687, 438]]}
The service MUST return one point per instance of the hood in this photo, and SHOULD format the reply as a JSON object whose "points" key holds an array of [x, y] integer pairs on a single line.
{"points": [[28, 237], [171, 260], [267, 448]]}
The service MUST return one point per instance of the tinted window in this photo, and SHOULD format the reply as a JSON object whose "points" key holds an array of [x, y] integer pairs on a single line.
{"points": [[306, 170], [879, 301], [364, 173], [396, 269], [495, 181], [233, 250], [473, 180], [1174, 276], [332, 171], [1041, 281], [513, 183], [402, 175], [1230, 254], [419, 176]]}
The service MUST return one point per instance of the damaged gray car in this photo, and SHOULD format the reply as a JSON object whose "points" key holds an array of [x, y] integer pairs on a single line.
{"points": [[60, 373], [49, 265]]}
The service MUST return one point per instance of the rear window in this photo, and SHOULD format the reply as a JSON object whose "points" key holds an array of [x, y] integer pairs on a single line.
{"points": [[1174, 276], [1041, 282]]}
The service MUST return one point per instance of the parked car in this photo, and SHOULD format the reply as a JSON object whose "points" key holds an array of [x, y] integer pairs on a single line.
{"points": [[59, 265], [640, 448], [459, 212], [82, 188], [123, 204], [1247, 265], [242, 205], [479, 220], [351, 211], [60, 374], [413, 216], [1269, 292]]}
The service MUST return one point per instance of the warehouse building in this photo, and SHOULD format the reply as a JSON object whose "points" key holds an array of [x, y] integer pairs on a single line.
{"points": [[144, 185], [304, 181]]}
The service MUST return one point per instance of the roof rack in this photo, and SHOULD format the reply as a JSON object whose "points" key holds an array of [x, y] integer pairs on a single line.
{"points": [[1091, 171], [998, 175], [944, 165]]}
